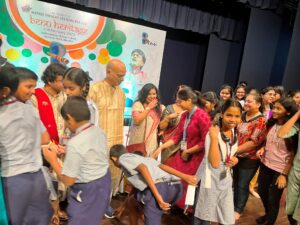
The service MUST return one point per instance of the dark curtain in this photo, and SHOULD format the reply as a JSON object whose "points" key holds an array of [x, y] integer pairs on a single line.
{"points": [[171, 15]]}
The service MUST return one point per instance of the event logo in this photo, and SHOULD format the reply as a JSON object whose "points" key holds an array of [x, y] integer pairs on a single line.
{"points": [[146, 41], [72, 28]]}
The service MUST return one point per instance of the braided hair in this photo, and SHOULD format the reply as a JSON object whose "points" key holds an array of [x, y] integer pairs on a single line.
{"points": [[79, 77]]}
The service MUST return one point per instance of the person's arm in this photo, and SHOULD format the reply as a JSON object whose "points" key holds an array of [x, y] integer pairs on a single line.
{"points": [[282, 178], [187, 178], [165, 145], [214, 157], [164, 123], [143, 170], [285, 129], [246, 147], [186, 153], [257, 137], [51, 157], [45, 138], [138, 117]]}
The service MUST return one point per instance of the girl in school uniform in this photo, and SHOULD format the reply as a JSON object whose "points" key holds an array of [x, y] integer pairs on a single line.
{"points": [[8, 85], [215, 198], [77, 83], [85, 167], [22, 133]]}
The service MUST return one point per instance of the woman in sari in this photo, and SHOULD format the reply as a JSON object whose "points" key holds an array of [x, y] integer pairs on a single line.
{"points": [[169, 124], [146, 113]]}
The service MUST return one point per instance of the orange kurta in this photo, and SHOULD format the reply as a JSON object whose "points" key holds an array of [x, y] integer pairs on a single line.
{"points": [[110, 102]]}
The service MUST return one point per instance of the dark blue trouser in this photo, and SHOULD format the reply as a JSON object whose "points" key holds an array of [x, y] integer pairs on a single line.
{"points": [[89, 201], [241, 179], [27, 199], [170, 194]]}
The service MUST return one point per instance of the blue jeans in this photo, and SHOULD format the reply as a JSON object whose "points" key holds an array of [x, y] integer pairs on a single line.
{"points": [[241, 180]]}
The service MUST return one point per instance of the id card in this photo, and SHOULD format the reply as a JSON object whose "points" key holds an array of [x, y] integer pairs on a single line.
{"points": [[223, 174], [183, 145]]}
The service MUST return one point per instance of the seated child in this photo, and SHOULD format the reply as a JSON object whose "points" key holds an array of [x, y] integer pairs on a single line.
{"points": [[158, 186], [85, 167]]}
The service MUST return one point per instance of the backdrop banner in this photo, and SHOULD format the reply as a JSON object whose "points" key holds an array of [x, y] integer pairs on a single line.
{"points": [[37, 33]]}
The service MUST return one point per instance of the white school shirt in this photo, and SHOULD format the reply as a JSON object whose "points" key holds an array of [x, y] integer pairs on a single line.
{"points": [[86, 154], [129, 162], [20, 139], [209, 176]]}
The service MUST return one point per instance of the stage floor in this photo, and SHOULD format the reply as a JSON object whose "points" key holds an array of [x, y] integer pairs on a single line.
{"points": [[253, 210]]}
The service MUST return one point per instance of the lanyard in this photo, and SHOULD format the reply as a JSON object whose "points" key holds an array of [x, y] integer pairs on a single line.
{"points": [[187, 121], [87, 127], [228, 152]]}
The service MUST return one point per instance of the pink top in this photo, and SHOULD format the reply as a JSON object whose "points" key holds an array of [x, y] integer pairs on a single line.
{"points": [[276, 154]]}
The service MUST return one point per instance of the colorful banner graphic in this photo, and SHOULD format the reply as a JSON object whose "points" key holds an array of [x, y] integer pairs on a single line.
{"points": [[36, 33]]}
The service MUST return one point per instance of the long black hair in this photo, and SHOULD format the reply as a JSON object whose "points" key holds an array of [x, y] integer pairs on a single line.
{"points": [[79, 77], [189, 93], [291, 108], [143, 94]]}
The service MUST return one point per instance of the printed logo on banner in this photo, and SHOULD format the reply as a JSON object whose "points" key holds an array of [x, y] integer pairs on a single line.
{"points": [[146, 41]]}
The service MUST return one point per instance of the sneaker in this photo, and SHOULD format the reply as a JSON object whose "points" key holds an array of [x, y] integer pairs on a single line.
{"points": [[261, 220], [110, 213]]}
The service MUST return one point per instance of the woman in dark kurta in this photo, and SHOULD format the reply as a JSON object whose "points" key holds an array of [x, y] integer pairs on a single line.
{"points": [[190, 135]]}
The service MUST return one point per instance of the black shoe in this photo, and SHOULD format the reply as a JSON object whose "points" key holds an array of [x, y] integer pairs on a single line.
{"points": [[261, 220]]}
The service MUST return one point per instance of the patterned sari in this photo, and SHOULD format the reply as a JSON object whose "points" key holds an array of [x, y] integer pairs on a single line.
{"points": [[137, 132]]}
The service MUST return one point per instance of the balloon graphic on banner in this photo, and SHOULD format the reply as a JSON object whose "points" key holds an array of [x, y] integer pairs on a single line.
{"points": [[33, 46], [76, 54], [75, 64], [12, 54]]}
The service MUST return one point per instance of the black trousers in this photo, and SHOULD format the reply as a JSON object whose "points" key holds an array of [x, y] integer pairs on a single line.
{"points": [[269, 192]]}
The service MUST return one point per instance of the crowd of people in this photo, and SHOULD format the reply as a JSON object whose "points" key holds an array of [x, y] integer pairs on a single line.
{"points": [[63, 143]]}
